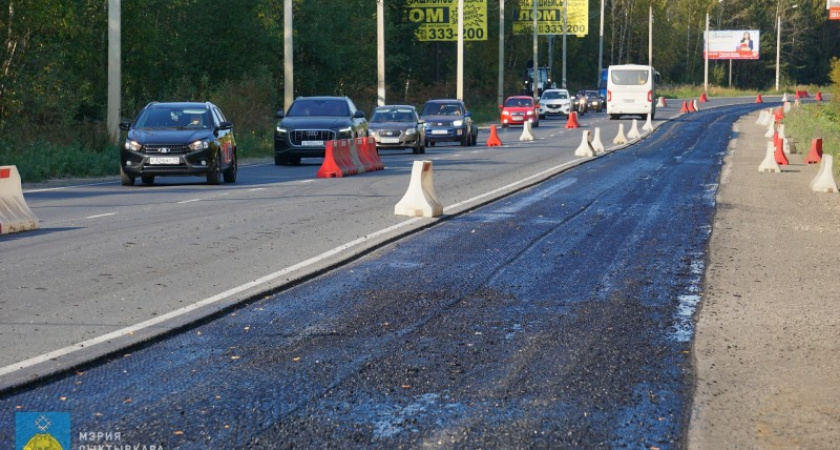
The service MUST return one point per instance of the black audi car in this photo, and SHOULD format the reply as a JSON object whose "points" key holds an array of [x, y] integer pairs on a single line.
{"points": [[176, 139], [304, 130]]}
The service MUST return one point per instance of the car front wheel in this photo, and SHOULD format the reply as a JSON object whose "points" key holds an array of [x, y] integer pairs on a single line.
{"points": [[127, 180], [215, 170], [230, 172]]}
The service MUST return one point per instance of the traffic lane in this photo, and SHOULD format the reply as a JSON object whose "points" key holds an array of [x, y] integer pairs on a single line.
{"points": [[171, 247], [556, 317], [108, 272]]}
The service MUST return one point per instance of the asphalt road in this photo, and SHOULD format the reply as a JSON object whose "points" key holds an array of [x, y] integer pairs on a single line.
{"points": [[558, 317], [109, 257]]}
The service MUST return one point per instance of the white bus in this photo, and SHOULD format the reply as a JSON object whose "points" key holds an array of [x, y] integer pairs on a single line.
{"points": [[631, 89]]}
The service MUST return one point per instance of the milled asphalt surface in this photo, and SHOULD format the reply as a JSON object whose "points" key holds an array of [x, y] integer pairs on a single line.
{"points": [[767, 345]]}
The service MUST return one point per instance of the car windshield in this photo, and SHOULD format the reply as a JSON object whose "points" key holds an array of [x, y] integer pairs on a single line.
{"points": [[382, 115], [309, 107], [554, 95], [166, 117], [518, 102], [630, 77], [441, 109]]}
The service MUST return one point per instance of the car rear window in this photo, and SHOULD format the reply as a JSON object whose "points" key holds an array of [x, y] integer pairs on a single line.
{"points": [[307, 107], [630, 77], [381, 115]]}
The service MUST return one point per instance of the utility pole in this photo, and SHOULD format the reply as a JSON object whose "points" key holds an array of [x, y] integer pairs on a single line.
{"points": [[501, 96], [288, 61], [536, 68], [380, 51], [114, 69], [460, 80]]}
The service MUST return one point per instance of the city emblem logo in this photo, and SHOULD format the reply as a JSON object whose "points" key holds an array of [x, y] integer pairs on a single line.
{"points": [[42, 431]]}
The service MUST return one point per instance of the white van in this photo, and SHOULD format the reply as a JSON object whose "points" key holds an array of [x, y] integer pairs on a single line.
{"points": [[631, 89]]}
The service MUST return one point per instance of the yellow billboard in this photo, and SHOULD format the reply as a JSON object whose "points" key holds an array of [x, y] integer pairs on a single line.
{"points": [[438, 19], [550, 17]]}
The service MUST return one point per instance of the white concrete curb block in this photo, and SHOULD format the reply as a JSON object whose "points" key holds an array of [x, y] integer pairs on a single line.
{"points": [[620, 138], [597, 145], [824, 181], [769, 163], [15, 214], [648, 126], [634, 130], [771, 128], [527, 135], [420, 199], [763, 118], [661, 102], [585, 148]]}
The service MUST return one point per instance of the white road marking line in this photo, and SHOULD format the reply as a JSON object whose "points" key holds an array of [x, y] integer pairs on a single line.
{"points": [[256, 189], [190, 201], [96, 216], [260, 281]]}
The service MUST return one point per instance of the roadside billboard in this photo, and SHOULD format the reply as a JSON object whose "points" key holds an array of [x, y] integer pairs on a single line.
{"points": [[733, 44], [833, 7], [438, 19], [550, 17]]}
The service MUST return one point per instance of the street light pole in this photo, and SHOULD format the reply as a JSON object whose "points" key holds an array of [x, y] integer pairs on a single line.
{"points": [[460, 50], [501, 94], [536, 68], [288, 61], [380, 52], [779, 40]]}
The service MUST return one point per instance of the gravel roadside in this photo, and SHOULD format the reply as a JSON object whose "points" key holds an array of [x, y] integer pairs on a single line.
{"points": [[767, 345]]}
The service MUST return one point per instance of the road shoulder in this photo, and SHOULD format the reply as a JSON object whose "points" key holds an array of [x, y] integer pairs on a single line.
{"points": [[766, 349]]}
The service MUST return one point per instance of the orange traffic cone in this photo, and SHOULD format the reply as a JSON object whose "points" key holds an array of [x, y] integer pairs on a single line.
{"points": [[779, 154], [779, 115], [703, 98], [684, 108], [691, 107], [818, 97], [815, 155], [572, 122], [493, 140], [758, 99]]}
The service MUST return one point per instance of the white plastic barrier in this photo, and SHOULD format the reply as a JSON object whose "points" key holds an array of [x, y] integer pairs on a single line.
{"points": [[597, 145], [15, 214], [527, 134], [769, 163], [620, 138], [824, 181], [585, 148], [420, 199], [634, 130]]}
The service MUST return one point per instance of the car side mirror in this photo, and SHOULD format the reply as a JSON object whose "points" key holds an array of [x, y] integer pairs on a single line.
{"points": [[125, 126], [421, 121], [279, 114], [225, 125], [359, 114]]}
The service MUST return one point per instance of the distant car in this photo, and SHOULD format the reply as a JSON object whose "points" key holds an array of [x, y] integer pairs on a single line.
{"points": [[304, 130], [448, 120], [555, 102], [519, 109], [594, 101], [177, 139], [398, 126]]}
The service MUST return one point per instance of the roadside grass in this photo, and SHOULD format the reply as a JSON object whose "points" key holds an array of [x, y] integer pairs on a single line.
{"points": [[816, 120], [694, 91]]}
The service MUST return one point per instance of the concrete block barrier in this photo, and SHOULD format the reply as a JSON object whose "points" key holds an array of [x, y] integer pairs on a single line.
{"points": [[597, 145], [527, 134], [768, 164], [585, 148], [15, 215], [620, 138], [634, 130], [824, 181], [420, 199]]}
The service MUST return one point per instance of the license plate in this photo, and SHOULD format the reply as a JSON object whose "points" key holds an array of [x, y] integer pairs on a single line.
{"points": [[164, 160], [390, 140], [629, 100], [440, 132], [312, 143]]}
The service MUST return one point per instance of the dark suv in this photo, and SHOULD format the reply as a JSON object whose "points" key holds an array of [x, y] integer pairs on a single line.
{"points": [[174, 139], [448, 120], [312, 121]]}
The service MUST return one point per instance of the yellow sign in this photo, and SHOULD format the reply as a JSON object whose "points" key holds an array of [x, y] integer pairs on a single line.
{"points": [[438, 19], [550, 17]]}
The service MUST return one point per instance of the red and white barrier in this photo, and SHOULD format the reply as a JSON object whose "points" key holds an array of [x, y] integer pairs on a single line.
{"points": [[15, 215], [347, 157]]}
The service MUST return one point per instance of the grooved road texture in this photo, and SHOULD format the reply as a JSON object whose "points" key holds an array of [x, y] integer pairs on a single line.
{"points": [[559, 317]]}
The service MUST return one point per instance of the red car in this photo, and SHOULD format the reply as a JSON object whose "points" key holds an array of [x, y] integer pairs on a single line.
{"points": [[519, 109]]}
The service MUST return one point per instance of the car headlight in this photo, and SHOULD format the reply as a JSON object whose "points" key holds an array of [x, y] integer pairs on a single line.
{"points": [[344, 133], [199, 145], [457, 123], [282, 131], [505, 113], [134, 146], [410, 132]]}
